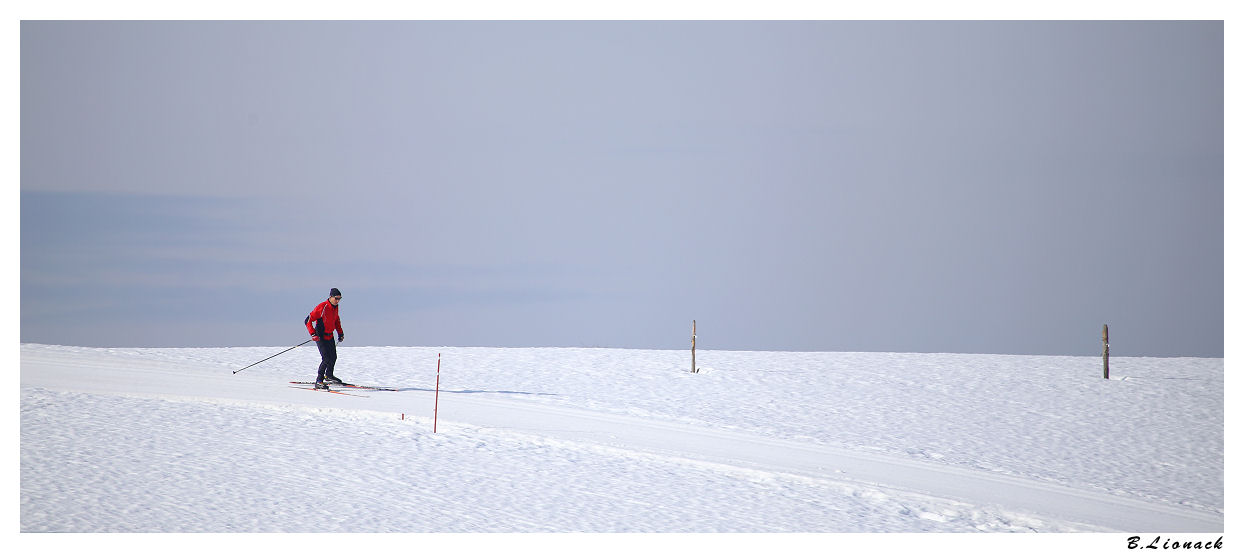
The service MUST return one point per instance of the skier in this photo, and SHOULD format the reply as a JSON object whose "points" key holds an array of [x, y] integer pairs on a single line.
{"points": [[321, 323]]}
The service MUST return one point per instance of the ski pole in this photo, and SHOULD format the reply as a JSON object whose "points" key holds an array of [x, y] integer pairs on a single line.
{"points": [[267, 358]]}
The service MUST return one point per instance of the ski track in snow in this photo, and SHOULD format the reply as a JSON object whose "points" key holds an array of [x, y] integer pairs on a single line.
{"points": [[568, 440]]}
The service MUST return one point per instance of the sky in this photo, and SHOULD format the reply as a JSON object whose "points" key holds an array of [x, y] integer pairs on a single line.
{"points": [[939, 186]]}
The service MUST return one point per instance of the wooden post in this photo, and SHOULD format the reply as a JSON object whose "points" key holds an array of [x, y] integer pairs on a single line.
{"points": [[693, 369], [1105, 352], [436, 402]]}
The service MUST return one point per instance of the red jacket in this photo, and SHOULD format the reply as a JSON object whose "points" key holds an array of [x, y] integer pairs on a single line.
{"points": [[324, 318]]}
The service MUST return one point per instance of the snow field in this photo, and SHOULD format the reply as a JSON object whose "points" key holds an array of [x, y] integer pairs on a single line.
{"points": [[589, 440], [203, 467]]}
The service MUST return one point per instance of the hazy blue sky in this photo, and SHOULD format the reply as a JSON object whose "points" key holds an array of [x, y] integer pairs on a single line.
{"points": [[993, 187]]}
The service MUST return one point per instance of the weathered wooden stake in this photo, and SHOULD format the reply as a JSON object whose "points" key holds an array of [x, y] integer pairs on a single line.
{"points": [[693, 369], [1105, 352], [436, 401]]}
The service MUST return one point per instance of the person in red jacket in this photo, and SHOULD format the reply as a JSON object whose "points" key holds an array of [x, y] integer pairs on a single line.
{"points": [[321, 323]]}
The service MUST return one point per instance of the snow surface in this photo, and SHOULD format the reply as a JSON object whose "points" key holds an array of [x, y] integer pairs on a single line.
{"points": [[607, 440]]}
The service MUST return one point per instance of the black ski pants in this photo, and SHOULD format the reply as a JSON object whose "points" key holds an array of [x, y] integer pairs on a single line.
{"points": [[328, 357]]}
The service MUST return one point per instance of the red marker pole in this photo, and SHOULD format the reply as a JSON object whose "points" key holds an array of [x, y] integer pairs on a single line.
{"points": [[437, 402]]}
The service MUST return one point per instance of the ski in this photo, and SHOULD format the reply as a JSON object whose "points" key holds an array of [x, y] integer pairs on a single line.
{"points": [[355, 386], [327, 390]]}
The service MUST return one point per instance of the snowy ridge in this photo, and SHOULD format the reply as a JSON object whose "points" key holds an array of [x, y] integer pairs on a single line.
{"points": [[598, 440]]}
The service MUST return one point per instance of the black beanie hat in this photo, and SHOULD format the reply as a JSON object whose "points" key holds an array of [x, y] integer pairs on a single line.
{"points": [[334, 292]]}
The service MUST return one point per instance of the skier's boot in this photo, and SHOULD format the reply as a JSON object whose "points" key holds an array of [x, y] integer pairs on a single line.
{"points": [[328, 378], [320, 385]]}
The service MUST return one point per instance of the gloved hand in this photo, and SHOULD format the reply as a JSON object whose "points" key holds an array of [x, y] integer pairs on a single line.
{"points": [[341, 337]]}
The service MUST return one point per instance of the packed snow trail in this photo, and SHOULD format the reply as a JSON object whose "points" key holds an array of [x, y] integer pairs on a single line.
{"points": [[767, 454], [134, 373]]}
